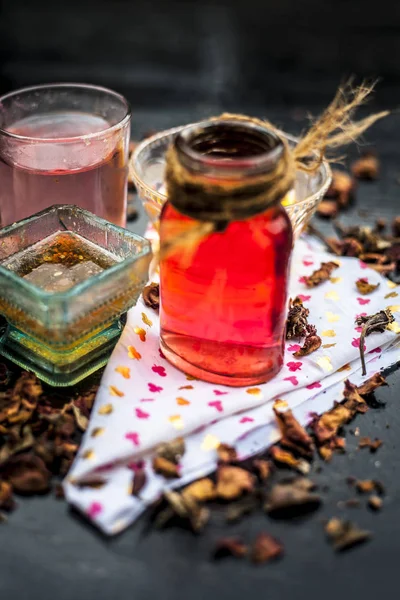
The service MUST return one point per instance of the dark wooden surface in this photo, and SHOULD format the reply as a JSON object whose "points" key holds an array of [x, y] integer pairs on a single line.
{"points": [[178, 61]]}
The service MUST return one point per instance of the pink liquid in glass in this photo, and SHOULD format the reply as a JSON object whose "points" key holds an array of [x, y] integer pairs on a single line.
{"points": [[52, 168]]}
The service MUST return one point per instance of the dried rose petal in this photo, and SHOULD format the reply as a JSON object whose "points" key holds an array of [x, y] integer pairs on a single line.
{"points": [[139, 481], [266, 548], [311, 343], [366, 486], [243, 506], [6, 496], [364, 287], [320, 275], [230, 546], [327, 209], [371, 384], [226, 453], [373, 445], [151, 296], [341, 189], [27, 474], [344, 534], [375, 502], [201, 490], [284, 457], [287, 499], [232, 482], [263, 468], [165, 467], [366, 167], [173, 450], [294, 436]]}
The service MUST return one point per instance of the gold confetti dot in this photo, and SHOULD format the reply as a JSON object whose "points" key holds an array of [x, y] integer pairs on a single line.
{"points": [[146, 320], [176, 421], [133, 353], [141, 333], [335, 279], [280, 404], [394, 308], [186, 387], [391, 295], [328, 345], [114, 391], [88, 455], [97, 431], [254, 391], [182, 402], [332, 318], [395, 327], [210, 442], [332, 295], [328, 333], [106, 409], [124, 371], [344, 368], [391, 284], [325, 363]]}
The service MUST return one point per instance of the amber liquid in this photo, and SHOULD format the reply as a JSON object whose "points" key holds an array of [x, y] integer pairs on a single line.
{"points": [[91, 174], [223, 308]]}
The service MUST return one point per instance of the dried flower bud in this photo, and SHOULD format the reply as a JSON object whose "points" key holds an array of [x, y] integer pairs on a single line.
{"points": [[366, 167], [320, 275], [151, 296]]}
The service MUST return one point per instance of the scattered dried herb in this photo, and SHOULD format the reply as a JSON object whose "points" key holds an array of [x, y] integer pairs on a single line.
{"points": [[166, 468], [242, 507], [230, 546], [232, 482], [366, 486], [327, 209], [263, 468], [364, 287], [184, 507], [296, 325], [139, 481], [6, 496], [59, 491], [284, 457], [396, 227], [373, 445], [201, 490], [292, 498], [345, 534], [151, 296], [320, 275], [226, 454], [376, 323], [366, 167], [341, 189], [266, 548], [375, 502], [311, 343], [27, 474], [294, 436], [172, 451], [369, 386]]}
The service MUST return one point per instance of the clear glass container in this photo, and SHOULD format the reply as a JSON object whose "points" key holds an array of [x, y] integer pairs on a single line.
{"points": [[63, 336], [223, 298], [61, 142]]}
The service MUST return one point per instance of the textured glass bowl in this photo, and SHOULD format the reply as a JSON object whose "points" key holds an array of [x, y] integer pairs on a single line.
{"points": [[65, 336], [147, 170]]}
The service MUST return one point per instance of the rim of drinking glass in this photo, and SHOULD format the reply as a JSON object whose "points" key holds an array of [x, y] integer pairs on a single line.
{"points": [[75, 138]]}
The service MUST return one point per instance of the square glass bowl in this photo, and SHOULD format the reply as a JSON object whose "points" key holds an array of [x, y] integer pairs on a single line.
{"points": [[64, 336]]}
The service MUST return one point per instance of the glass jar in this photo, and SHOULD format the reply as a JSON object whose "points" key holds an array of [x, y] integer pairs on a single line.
{"points": [[224, 293]]}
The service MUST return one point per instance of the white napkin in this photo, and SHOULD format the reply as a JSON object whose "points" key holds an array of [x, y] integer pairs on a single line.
{"points": [[143, 400]]}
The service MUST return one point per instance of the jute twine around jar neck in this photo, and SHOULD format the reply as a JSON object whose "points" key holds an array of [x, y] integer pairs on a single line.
{"points": [[213, 206]]}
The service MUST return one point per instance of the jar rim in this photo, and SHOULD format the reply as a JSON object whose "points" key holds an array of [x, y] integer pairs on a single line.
{"points": [[267, 144]]}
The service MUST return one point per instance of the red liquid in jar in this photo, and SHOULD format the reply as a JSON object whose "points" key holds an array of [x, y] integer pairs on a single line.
{"points": [[223, 309], [90, 173]]}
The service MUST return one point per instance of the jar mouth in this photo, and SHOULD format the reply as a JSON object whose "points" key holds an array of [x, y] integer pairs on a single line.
{"points": [[229, 148]]}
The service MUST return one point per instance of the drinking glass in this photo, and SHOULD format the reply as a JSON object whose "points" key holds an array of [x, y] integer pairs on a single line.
{"points": [[64, 144]]}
